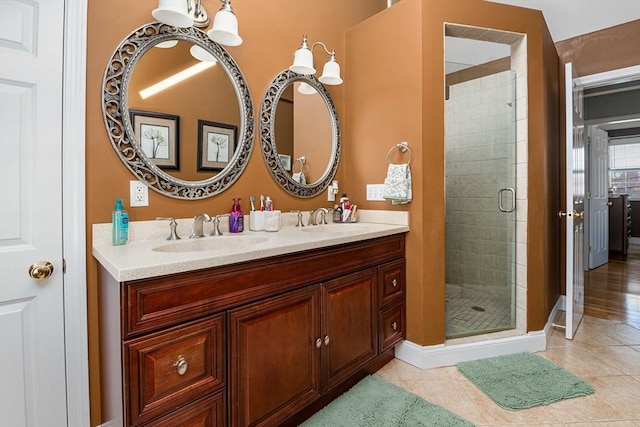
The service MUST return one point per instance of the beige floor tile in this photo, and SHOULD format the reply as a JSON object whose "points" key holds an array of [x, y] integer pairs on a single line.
{"points": [[448, 394], [604, 353]]}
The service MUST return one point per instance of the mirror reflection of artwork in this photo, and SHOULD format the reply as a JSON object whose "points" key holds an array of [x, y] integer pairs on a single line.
{"points": [[218, 150], [216, 144], [157, 135], [155, 141]]}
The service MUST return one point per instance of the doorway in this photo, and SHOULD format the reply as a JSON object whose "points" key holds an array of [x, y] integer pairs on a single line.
{"points": [[483, 177]]}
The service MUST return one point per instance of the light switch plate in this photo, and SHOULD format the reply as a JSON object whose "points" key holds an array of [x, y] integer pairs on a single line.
{"points": [[139, 194], [374, 192]]}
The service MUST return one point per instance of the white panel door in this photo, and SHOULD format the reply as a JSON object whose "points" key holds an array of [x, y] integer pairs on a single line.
{"points": [[598, 216], [32, 352], [575, 189]]}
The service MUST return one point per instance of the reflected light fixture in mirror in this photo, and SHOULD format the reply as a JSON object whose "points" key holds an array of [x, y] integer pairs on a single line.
{"points": [[303, 63], [187, 13], [306, 89]]}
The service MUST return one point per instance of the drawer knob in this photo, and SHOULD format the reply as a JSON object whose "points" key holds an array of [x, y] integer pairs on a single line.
{"points": [[394, 326], [319, 343], [394, 282], [326, 340], [181, 365]]}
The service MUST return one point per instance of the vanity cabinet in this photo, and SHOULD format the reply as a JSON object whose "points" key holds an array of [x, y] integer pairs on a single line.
{"points": [[287, 351], [264, 342]]}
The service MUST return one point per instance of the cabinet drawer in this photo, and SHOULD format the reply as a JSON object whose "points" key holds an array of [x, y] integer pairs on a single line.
{"points": [[391, 282], [210, 412], [168, 370], [391, 326]]}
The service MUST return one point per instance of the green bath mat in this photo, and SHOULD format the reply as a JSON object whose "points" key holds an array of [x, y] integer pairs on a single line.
{"points": [[374, 402], [523, 380]]}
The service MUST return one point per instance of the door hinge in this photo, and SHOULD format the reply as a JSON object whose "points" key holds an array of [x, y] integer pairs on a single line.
{"points": [[590, 249], [588, 140], [589, 194], [64, 266]]}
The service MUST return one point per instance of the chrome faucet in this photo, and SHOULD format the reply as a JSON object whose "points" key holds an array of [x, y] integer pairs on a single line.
{"points": [[197, 229], [172, 225], [216, 225], [313, 218]]}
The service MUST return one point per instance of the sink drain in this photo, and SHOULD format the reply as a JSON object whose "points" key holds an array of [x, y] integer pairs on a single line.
{"points": [[477, 308]]}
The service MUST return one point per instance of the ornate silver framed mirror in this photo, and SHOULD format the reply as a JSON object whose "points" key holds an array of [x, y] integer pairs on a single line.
{"points": [[192, 140], [300, 135]]}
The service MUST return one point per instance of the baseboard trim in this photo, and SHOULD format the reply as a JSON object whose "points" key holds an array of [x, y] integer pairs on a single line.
{"points": [[435, 356]]}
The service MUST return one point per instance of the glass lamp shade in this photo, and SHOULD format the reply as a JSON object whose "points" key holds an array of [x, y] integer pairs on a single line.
{"points": [[306, 89], [225, 29], [173, 12], [201, 55], [167, 45], [303, 62], [331, 73]]}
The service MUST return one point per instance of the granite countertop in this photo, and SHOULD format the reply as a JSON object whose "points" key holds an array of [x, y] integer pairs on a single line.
{"points": [[149, 254]]}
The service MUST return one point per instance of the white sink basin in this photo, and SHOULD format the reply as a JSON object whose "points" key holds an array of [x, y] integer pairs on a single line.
{"points": [[333, 228], [214, 243]]}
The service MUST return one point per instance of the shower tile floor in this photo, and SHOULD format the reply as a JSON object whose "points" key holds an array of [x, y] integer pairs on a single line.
{"points": [[472, 310]]}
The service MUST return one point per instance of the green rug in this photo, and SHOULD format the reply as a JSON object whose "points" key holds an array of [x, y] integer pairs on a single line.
{"points": [[523, 380], [374, 402]]}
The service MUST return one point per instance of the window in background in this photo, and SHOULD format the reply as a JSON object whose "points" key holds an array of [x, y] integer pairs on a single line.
{"points": [[624, 168]]}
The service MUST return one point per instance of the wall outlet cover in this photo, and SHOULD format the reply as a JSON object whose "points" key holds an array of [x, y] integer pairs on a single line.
{"points": [[374, 192], [139, 194]]}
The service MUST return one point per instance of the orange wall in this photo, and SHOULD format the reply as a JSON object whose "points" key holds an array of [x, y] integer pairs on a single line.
{"points": [[272, 31], [396, 94]]}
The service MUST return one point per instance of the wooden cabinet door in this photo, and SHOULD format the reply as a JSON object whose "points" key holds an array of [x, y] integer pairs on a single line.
{"points": [[349, 325], [274, 358]]}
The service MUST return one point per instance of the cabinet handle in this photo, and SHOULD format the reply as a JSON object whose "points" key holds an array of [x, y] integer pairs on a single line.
{"points": [[181, 365], [319, 343], [394, 282], [394, 326], [326, 340]]}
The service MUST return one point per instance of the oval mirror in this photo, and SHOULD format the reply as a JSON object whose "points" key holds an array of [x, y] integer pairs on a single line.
{"points": [[190, 139], [299, 134]]}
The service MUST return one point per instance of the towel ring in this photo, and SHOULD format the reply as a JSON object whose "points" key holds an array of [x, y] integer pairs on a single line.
{"points": [[403, 147], [302, 160]]}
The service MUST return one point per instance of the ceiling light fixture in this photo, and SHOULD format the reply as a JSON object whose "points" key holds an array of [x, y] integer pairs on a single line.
{"points": [[187, 13], [303, 63]]}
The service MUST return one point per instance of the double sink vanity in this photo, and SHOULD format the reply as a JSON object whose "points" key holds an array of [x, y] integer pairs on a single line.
{"points": [[255, 328]]}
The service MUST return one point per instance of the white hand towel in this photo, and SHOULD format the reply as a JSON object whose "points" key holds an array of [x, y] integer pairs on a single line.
{"points": [[299, 178], [397, 184]]}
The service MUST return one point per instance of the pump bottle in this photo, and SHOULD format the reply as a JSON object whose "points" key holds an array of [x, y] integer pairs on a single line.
{"points": [[120, 224]]}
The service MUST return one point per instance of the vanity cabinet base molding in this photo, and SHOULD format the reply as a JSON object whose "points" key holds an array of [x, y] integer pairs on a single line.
{"points": [[265, 342]]}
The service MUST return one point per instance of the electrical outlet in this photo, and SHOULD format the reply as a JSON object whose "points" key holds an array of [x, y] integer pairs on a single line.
{"points": [[374, 192], [139, 194]]}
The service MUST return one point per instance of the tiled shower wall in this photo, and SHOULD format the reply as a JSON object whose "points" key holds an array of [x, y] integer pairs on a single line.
{"points": [[481, 157], [480, 160]]}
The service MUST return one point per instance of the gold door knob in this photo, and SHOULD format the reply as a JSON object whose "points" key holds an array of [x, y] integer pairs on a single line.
{"points": [[41, 270]]}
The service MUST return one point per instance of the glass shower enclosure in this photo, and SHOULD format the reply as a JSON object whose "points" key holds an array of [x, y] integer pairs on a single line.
{"points": [[480, 188]]}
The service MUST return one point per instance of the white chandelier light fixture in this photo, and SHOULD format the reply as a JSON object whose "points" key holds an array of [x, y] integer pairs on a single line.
{"points": [[303, 63], [187, 13]]}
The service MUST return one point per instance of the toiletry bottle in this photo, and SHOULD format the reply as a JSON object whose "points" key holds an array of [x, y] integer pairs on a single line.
{"points": [[236, 218], [120, 224]]}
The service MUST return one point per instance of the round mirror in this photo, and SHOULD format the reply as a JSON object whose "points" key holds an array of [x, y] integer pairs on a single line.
{"points": [[178, 111], [299, 133]]}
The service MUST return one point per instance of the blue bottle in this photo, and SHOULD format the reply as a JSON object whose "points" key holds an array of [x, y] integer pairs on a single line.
{"points": [[120, 224]]}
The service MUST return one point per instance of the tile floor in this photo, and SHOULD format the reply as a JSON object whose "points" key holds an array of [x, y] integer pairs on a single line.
{"points": [[473, 309], [606, 353]]}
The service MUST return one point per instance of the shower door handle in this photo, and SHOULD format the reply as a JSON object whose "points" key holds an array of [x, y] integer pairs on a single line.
{"points": [[513, 199]]}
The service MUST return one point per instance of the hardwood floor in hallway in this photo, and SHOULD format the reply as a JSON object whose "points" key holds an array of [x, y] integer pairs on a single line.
{"points": [[612, 291]]}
